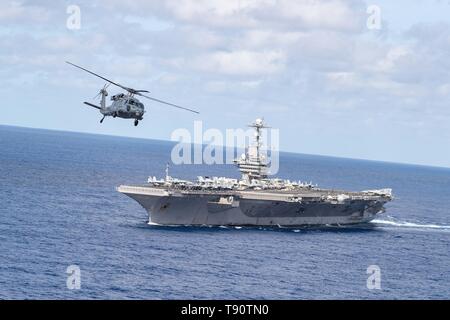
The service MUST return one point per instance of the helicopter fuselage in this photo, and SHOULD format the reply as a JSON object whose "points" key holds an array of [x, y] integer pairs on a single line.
{"points": [[124, 106]]}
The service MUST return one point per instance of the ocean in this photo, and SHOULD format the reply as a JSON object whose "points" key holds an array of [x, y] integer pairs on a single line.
{"points": [[59, 208]]}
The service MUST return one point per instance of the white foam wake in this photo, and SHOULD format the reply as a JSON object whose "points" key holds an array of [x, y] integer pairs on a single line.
{"points": [[381, 222], [410, 224]]}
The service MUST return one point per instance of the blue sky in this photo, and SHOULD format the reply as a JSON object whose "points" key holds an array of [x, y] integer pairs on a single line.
{"points": [[312, 68]]}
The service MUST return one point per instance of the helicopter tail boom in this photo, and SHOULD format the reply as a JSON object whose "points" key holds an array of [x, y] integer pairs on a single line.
{"points": [[92, 105]]}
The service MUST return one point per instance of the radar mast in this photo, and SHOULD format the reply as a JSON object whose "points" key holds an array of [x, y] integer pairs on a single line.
{"points": [[253, 164]]}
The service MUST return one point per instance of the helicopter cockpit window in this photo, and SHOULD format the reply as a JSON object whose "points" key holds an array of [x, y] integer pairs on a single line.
{"points": [[117, 96]]}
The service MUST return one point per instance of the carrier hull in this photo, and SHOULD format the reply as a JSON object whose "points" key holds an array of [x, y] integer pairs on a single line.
{"points": [[166, 207]]}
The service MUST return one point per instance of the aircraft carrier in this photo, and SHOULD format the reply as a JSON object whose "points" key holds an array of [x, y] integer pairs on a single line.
{"points": [[254, 199]]}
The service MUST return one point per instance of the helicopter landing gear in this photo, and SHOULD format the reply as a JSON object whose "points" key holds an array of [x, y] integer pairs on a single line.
{"points": [[101, 121], [136, 122]]}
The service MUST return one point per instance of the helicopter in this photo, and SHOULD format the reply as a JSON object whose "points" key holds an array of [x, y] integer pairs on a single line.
{"points": [[124, 105]]}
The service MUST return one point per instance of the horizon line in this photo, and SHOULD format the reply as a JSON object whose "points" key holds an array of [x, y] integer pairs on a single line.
{"points": [[281, 151]]}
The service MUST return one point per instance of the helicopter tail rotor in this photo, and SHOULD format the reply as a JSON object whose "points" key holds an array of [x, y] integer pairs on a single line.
{"points": [[102, 90]]}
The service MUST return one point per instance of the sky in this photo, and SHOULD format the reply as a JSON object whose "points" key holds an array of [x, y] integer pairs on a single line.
{"points": [[333, 82]]}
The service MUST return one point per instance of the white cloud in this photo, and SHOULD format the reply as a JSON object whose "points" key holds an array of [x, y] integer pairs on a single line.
{"points": [[242, 62], [329, 14], [393, 56], [336, 15], [444, 89], [231, 86], [16, 11]]}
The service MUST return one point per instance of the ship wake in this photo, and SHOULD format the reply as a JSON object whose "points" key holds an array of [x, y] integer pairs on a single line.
{"points": [[406, 224]]}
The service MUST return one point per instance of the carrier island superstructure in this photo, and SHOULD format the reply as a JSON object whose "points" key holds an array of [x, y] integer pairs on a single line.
{"points": [[254, 199]]}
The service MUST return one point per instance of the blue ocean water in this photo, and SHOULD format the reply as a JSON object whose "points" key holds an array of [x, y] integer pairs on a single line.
{"points": [[59, 207]]}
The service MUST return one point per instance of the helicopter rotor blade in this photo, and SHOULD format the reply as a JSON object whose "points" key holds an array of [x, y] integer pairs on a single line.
{"points": [[167, 103], [131, 90], [97, 75]]}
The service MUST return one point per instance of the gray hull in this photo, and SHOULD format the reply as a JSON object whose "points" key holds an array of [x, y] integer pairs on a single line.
{"points": [[208, 210]]}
